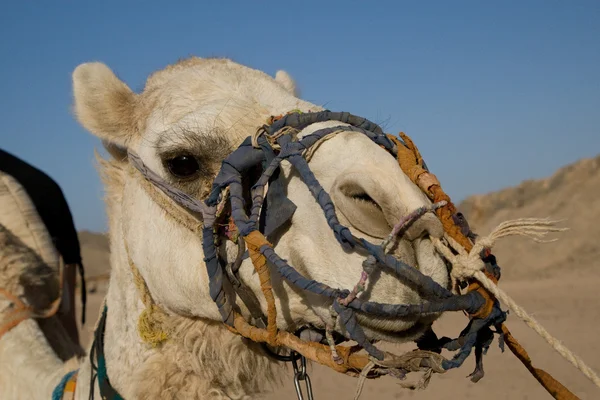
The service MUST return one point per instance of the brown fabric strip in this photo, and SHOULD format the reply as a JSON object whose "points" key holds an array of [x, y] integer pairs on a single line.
{"points": [[554, 387], [254, 241]]}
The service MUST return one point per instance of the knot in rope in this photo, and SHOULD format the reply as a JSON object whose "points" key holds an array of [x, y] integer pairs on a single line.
{"points": [[467, 265], [272, 139], [151, 325]]}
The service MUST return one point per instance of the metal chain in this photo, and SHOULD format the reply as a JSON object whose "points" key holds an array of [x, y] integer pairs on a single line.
{"points": [[301, 375]]}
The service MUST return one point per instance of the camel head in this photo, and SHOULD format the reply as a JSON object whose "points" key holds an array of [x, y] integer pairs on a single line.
{"points": [[187, 119]]}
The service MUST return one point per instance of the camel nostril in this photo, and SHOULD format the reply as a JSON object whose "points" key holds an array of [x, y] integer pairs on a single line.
{"points": [[356, 192], [366, 198], [360, 207], [374, 205]]}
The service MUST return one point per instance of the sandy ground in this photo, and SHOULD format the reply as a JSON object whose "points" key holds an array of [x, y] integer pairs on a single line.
{"points": [[568, 308]]}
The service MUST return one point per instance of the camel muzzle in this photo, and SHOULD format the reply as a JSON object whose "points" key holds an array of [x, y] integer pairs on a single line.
{"points": [[267, 153]]}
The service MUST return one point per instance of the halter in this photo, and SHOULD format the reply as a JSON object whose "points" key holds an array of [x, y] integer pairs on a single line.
{"points": [[274, 143], [227, 192]]}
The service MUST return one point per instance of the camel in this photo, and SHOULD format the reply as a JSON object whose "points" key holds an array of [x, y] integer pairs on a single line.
{"points": [[29, 268], [188, 118]]}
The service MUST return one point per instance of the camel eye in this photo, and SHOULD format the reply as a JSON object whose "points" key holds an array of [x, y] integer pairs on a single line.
{"points": [[183, 166]]}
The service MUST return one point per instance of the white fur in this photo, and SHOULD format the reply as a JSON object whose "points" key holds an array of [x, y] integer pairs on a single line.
{"points": [[29, 368]]}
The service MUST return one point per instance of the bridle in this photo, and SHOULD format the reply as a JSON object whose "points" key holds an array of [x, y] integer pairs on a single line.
{"points": [[227, 194], [275, 142]]}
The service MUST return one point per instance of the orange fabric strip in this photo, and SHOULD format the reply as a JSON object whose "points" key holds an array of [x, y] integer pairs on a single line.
{"points": [[554, 387], [15, 318], [254, 241], [352, 362]]}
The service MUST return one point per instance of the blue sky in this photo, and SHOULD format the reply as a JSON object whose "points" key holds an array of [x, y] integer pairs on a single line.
{"points": [[492, 92]]}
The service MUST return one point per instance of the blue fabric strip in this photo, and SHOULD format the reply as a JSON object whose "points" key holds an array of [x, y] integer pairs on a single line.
{"points": [[215, 276], [59, 390]]}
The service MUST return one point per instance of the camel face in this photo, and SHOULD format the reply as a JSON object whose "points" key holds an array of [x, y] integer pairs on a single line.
{"points": [[189, 117]]}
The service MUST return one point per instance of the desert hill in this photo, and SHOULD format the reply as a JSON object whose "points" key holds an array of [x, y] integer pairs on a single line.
{"points": [[571, 194]]}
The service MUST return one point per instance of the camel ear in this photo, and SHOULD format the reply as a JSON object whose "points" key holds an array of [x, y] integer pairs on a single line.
{"points": [[104, 105], [287, 82]]}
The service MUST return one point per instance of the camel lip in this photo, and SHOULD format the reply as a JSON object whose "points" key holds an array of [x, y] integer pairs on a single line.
{"points": [[415, 330]]}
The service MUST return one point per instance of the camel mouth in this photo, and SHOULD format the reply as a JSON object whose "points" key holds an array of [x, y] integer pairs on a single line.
{"points": [[401, 329], [417, 326]]}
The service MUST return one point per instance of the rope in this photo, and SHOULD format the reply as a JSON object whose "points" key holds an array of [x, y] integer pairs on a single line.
{"points": [[18, 315], [329, 326], [281, 132], [398, 366], [405, 221], [308, 153], [172, 211], [66, 387], [272, 139], [469, 265], [370, 262], [152, 320], [362, 378]]}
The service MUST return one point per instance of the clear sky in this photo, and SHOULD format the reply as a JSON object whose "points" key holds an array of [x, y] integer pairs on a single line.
{"points": [[492, 92]]}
